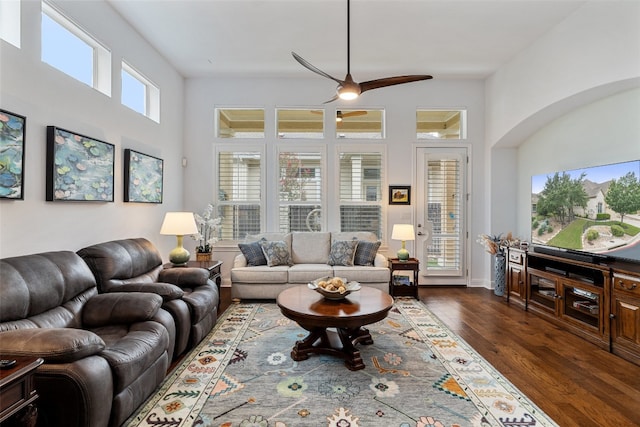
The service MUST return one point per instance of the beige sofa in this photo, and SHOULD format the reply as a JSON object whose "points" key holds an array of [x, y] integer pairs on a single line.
{"points": [[311, 255]]}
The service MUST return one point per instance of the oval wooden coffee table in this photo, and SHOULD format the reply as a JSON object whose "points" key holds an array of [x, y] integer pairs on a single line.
{"points": [[335, 327]]}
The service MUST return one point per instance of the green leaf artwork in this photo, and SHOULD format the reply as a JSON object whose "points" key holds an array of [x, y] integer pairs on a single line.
{"points": [[12, 130], [79, 167]]}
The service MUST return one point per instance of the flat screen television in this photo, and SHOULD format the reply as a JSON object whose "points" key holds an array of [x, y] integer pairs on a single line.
{"points": [[590, 214]]}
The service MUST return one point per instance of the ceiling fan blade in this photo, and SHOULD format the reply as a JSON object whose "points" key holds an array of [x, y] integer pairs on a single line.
{"points": [[331, 100], [353, 113], [390, 81], [313, 68]]}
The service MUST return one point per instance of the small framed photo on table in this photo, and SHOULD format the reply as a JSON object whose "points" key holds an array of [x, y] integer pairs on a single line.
{"points": [[399, 194]]}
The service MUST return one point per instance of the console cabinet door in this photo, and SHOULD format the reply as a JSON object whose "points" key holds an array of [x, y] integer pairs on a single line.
{"points": [[584, 306], [625, 315], [516, 282]]}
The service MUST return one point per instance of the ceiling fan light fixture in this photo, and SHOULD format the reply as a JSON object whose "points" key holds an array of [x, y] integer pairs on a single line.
{"points": [[347, 95], [349, 90]]}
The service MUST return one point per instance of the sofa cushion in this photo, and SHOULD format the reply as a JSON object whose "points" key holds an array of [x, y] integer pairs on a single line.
{"points": [[342, 252], [310, 247], [366, 252], [305, 273], [260, 275], [363, 274], [276, 252], [253, 253], [285, 237]]}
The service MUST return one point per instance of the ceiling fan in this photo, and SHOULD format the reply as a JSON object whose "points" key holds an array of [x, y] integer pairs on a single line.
{"points": [[348, 89], [343, 114]]}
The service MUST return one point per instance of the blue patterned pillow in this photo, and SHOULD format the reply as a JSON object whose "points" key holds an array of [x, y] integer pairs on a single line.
{"points": [[276, 252], [366, 253], [343, 252], [253, 253]]}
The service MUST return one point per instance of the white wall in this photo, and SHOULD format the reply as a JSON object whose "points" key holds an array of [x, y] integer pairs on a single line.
{"points": [[603, 132], [598, 46], [47, 96], [593, 54]]}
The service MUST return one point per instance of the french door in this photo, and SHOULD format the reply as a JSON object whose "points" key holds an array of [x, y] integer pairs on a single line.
{"points": [[441, 208]]}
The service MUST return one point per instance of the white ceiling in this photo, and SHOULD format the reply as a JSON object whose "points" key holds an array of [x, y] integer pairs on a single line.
{"points": [[444, 38]]}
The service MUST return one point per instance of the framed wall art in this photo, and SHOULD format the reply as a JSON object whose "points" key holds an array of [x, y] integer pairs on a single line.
{"points": [[79, 168], [12, 132], [399, 194], [142, 177]]}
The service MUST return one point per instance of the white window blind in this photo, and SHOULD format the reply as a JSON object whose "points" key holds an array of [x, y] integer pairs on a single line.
{"points": [[361, 176], [240, 190], [300, 191], [444, 213]]}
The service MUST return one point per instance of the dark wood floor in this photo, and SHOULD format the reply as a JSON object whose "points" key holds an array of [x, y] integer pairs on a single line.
{"points": [[573, 381]]}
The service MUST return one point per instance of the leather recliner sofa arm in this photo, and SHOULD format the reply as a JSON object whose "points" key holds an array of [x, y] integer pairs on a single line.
{"points": [[167, 291], [54, 345], [120, 308], [185, 277]]}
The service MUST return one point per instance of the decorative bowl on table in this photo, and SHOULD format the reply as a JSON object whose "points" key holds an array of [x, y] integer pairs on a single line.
{"points": [[334, 288]]}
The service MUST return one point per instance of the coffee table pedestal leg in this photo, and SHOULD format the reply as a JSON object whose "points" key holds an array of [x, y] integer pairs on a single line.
{"points": [[339, 342]]}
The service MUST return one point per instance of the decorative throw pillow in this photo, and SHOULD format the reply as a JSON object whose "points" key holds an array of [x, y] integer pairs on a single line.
{"points": [[253, 253], [366, 252], [342, 252], [276, 252]]}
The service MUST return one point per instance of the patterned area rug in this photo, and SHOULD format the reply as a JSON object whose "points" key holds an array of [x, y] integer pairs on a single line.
{"points": [[418, 374]]}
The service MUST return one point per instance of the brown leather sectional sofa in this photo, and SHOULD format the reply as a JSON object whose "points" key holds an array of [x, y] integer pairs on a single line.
{"points": [[135, 265], [106, 352]]}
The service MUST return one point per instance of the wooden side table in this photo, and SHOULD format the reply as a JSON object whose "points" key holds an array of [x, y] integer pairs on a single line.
{"points": [[214, 268], [17, 390], [410, 290]]}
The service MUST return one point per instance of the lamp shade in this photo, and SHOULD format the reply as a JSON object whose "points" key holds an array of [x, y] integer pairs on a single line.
{"points": [[179, 224], [403, 232]]}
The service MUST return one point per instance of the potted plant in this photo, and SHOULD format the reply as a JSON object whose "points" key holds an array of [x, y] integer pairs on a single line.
{"points": [[208, 233]]}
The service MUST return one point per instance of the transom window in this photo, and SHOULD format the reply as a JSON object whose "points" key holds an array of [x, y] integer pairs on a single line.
{"points": [[361, 123], [139, 94], [10, 22], [240, 123], [441, 124], [300, 123], [73, 51]]}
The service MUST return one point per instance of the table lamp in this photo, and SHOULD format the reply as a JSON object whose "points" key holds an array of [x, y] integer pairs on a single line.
{"points": [[403, 232], [179, 224]]}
